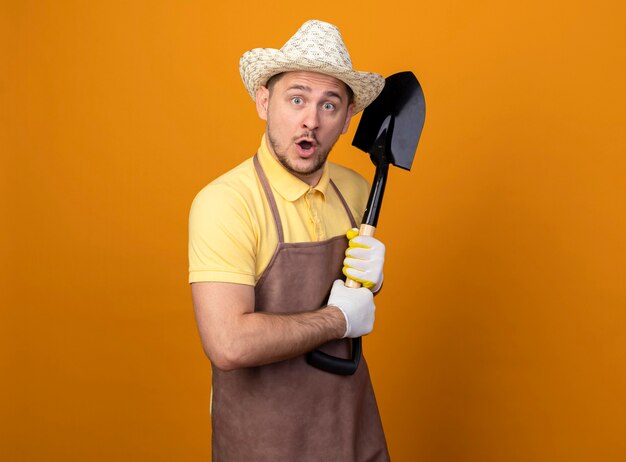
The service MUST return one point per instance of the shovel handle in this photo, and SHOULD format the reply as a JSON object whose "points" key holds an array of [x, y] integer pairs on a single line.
{"points": [[332, 364], [364, 230]]}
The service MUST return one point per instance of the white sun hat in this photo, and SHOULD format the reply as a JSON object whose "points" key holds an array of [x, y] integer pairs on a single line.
{"points": [[316, 47]]}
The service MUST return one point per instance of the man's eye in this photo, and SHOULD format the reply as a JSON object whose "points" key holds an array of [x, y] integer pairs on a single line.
{"points": [[329, 106], [296, 100]]}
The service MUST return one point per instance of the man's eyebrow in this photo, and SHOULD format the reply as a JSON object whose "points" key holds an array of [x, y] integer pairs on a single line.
{"points": [[335, 94], [296, 86], [329, 93]]}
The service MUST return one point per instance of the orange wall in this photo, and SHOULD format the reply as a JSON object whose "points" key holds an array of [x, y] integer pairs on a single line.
{"points": [[501, 329]]}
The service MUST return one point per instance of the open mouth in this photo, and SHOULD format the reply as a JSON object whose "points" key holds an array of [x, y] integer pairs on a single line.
{"points": [[306, 147]]}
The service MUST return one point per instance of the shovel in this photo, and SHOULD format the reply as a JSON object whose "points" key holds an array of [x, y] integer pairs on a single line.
{"points": [[389, 131]]}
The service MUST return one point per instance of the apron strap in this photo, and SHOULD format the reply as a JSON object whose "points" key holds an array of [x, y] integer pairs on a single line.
{"points": [[270, 199], [345, 204]]}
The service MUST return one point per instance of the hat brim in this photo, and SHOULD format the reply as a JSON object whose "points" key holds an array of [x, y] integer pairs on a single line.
{"points": [[257, 66]]}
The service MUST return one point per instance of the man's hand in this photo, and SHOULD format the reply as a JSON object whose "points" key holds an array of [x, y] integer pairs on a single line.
{"points": [[357, 305], [365, 257]]}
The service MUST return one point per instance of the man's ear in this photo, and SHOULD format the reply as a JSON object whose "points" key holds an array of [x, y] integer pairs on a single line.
{"points": [[262, 100], [349, 115]]}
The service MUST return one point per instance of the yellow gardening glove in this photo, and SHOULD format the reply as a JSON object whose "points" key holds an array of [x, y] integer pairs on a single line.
{"points": [[365, 257]]}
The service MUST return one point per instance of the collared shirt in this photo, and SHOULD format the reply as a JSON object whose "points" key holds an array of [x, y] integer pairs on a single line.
{"points": [[232, 234]]}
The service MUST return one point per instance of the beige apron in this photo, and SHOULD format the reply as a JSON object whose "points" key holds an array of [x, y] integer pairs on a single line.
{"points": [[290, 411]]}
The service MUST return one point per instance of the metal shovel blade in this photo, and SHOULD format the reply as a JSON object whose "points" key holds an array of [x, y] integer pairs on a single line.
{"points": [[400, 111]]}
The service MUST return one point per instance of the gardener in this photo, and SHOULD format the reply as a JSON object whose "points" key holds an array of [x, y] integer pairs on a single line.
{"points": [[266, 252]]}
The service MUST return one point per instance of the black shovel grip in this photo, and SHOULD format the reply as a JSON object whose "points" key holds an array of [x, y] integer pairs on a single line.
{"points": [[334, 365]]}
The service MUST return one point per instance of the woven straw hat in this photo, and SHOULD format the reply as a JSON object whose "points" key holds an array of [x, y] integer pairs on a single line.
{"points": [[317, 47]]}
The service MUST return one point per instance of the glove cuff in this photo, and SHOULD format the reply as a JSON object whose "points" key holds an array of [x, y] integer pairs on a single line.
{"points": [[346, 318]]}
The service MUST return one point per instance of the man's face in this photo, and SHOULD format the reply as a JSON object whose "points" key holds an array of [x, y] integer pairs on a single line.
{"points": [[306, 112]]}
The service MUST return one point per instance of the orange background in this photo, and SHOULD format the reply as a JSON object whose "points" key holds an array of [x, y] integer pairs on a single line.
{"points": [[501, 332]]}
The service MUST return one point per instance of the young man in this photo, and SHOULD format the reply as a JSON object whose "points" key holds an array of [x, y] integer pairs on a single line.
{"points": [[267, 247]]}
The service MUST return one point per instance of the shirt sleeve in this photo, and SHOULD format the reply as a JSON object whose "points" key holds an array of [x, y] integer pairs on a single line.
{"points": [[222, 242]]}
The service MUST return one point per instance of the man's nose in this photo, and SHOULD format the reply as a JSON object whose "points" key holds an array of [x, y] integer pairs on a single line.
{"points": [[311, 118]]}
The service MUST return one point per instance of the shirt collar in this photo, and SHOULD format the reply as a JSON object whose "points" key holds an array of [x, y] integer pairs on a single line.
{"points": [[286, 184]]}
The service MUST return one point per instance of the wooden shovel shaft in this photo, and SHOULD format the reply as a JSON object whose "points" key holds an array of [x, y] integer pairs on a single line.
{"points": [[364, 230]]}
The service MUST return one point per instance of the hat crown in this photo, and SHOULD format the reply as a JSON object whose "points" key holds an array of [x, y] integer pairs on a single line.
{"points": [[316, 47], [318, 41]]}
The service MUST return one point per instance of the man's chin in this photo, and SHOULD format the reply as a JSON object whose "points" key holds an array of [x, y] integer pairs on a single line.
{"points": [[303, 166], [314, 163], [304, 170]]}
